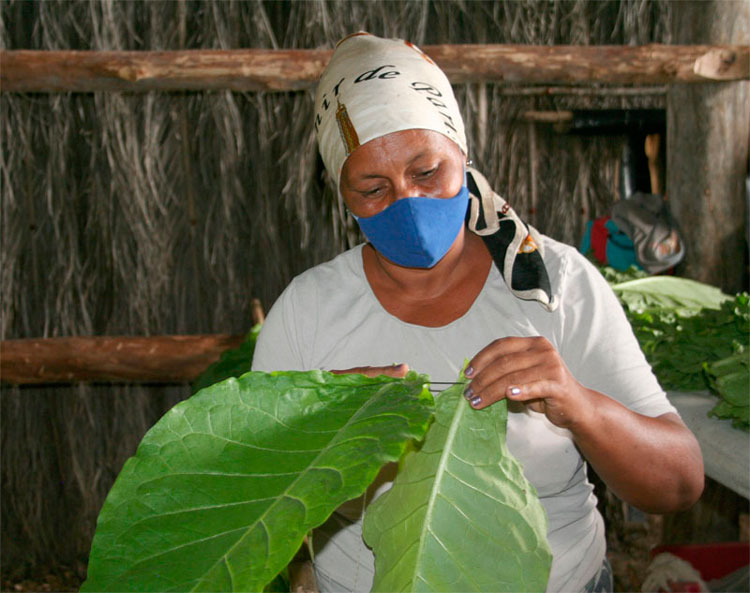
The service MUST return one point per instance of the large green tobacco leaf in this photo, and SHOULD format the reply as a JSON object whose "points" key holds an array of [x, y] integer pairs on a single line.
{"points": [[460, 516], [224, 487], [669, 292]]}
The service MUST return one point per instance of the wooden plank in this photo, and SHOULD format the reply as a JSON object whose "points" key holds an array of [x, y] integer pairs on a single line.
{"points": [[291, 70], [157, 359], [87, 71]]}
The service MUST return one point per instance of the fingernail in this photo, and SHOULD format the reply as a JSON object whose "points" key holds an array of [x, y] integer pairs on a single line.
{"points": [[515, 390], [468, 372], [468, 392], [476, 401]]}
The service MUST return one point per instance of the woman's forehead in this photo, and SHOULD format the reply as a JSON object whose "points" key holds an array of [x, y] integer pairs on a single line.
{"points": [[399, 149]]}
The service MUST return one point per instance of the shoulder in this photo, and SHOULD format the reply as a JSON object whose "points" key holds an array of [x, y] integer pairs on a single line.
{"points": [[343, 272], [304, 309], [310, 297], [572, 275], [595, 336]]}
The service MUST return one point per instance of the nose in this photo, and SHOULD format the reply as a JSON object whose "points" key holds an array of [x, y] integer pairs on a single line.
{"points": [[406, 188]]}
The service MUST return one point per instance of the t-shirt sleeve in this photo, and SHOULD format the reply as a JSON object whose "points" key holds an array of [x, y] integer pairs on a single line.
{"points": [[278, 345], [598, 343]]}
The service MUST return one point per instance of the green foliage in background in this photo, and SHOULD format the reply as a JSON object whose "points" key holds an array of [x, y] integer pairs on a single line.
{"points": [[232, 363], [694, 336], [729, 377], [460, 516]]}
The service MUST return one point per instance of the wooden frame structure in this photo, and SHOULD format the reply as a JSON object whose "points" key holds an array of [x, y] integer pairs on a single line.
{"points": [[182, 358], [293, 70]]}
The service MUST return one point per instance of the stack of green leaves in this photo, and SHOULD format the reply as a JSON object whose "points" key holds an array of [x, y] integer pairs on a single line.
{"points": [[694, 336], [729, 378]]}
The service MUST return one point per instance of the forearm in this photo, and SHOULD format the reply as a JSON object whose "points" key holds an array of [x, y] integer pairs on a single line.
{"points": [[654, 464]]}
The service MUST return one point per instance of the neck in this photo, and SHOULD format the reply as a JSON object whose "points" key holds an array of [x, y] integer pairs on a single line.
{"points": [[467, 257]]}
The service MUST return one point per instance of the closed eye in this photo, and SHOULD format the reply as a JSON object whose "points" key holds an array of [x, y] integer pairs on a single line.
{"points": [[426, 173], [370, 193]]}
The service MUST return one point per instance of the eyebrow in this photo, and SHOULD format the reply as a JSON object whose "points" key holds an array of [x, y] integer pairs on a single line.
{"points": [[416, 157]]}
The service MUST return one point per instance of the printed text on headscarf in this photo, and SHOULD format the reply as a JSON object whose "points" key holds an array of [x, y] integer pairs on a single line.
{"points": [[431, 94]]}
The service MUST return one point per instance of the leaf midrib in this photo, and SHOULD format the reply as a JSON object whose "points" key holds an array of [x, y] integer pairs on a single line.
{"points": [[442, 468]]}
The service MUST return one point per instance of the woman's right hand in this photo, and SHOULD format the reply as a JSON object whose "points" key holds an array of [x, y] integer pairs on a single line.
{"points": [[395, 370]]}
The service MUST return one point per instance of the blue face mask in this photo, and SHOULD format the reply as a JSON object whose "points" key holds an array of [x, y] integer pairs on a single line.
{"points": [[417, 232]]}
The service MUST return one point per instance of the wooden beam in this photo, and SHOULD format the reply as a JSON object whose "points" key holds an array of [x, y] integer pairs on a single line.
{"points": [[291, 70], [157, 359], [588, 91]]}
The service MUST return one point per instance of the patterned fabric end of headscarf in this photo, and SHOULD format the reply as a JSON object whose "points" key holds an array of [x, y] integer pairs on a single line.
{"points": [[347, 130], [528, 275], [528, 245]]}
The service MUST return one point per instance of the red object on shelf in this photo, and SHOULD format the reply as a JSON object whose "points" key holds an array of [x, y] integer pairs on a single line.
{"points": [[713, 561]]}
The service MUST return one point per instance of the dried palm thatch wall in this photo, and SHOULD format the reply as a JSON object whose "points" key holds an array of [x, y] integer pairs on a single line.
{"points": [[165, 213]]}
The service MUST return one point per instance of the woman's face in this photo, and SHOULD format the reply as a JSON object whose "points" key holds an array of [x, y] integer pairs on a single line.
{"points": [[411, 163]]}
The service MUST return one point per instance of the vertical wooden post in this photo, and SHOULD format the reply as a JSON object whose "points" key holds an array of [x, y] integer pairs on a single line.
{"points": [[481, 119], [257, 312], [708, 140], [533, 173]]}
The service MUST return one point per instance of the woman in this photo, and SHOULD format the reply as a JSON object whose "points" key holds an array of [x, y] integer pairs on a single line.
{"points": [[538, 322]]}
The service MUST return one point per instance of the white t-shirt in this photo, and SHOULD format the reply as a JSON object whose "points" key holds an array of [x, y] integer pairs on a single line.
{"points": [[329, 318]]}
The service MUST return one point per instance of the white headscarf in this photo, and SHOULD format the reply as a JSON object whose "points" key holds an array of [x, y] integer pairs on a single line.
{"points": [[373, 87]]}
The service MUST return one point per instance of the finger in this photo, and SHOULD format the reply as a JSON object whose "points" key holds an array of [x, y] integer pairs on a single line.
{"points": [[529, 392], [496, 350], [397, 371], [516, 393], [548, 397], [516, 366], [482, 394], [535, 404]]}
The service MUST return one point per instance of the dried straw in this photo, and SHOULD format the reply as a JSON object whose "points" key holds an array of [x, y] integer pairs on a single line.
{"points": [[166, 213]]}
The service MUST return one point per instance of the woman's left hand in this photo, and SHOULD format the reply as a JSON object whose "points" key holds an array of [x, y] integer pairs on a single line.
{"points": [[529, 370]]}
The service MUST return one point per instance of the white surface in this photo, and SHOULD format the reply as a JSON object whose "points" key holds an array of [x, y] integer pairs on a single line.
{"points": [[726, 450]]}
